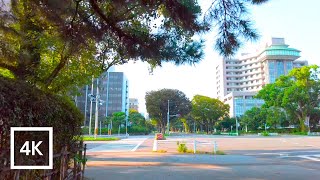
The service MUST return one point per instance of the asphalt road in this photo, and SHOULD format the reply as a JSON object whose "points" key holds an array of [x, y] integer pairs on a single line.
{"points": [[285, 157]]}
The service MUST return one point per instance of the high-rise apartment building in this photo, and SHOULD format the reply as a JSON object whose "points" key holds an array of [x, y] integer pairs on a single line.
{"points": [[134, 104], [113, 96], [238, 80]]}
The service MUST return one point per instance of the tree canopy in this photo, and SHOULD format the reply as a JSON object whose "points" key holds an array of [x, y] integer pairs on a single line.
{"points": [[58, 45], [157, 105], [136, 118], [207, 111], [297, 93]]}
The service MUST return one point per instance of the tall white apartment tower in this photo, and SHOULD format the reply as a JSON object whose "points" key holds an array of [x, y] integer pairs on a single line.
{"points": [[239, 79]]}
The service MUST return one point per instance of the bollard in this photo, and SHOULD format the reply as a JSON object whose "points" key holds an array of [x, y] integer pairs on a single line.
{"points": [[215, 147], [155, 145], [194, 146]]}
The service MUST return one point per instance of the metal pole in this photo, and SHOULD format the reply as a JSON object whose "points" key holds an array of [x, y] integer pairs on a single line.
{"points": [[308, 120], [85, 107], [90, 120], [100, 128], [97, 111], [168, 118], [237, 125], [194, 127], [76, 100]]}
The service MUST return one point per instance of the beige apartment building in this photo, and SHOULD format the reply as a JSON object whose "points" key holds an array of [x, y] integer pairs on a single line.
{"points": [[239, 79]]}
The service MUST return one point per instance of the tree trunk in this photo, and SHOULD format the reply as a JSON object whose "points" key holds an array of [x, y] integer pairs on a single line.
{"points": [[303, 127]]}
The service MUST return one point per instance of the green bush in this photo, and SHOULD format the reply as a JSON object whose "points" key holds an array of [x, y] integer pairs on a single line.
{"points": [[182, 148], [134, 130], [300, 133], [265, 133], [23, 105]]}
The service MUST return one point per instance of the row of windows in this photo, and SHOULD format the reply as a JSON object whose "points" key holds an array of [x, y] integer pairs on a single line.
{"points": [[115, 95], [282, 52], [240, 61], [243, 83], [251, 70], [242, 78], [242, 67], [243, 89]]}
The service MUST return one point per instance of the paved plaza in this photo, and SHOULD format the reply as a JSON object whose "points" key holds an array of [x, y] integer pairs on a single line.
{"points": [[247, 157]]}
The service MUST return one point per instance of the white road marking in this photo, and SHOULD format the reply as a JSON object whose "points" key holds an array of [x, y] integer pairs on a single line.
{"points": [[135, 148], [307, 157], [123, 145]]}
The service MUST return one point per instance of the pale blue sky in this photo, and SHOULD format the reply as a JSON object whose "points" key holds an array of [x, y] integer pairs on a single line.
{"points": [[295, 20]]}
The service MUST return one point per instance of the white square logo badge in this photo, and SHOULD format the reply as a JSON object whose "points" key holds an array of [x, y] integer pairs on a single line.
{"points": [[31, 147]]}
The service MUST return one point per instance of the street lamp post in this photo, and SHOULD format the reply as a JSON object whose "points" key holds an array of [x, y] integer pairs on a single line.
{"points": [[308, 122], [237, 125], [91, 99], [97, 111], [168, 118]]}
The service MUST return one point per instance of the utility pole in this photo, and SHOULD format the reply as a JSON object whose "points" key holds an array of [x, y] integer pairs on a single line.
{"points": [[91, 99], [97, 111], [85, 107], [168, 118], [237, 125]]}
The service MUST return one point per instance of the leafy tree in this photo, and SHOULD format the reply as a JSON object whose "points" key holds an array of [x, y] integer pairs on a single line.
{"points": [[226, 123], [297, 93], [136, 118], [207, 111], [117, 119], [157, 105], [315, 118], [276, 117], [254, 118], [53, 43]]}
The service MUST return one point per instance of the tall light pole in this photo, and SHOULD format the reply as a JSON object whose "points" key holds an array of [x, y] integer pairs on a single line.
{"points": [[237, 125], [308, 122], [91, 99], [234, 112], [97, 111], [85, 107], [168, 118]]}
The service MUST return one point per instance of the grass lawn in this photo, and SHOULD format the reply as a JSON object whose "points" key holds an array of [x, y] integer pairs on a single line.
{"points": [[101, 139]]}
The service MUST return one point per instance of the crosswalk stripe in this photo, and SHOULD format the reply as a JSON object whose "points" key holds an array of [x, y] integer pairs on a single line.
{"points": [[308, 157]]}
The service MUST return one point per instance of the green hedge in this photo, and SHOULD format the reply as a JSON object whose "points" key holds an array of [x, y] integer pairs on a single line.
{"points": [[134, 130], [22, 105]]}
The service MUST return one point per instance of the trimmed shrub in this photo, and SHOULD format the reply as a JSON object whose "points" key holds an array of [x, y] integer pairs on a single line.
{"points": [[133, 130], [22, 105], [182, 147]]}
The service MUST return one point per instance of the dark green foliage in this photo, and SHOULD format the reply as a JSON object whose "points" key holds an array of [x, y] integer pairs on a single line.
{"points": [[226, 124], [254, 118], [45, 40], [297, 93], [233, 25], [53, 43], [207, 111], [22, 105], [134, 130], [157, 106]]}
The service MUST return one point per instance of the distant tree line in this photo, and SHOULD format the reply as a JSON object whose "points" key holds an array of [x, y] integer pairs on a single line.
{"points": [[202, 113], [292, 101]]}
